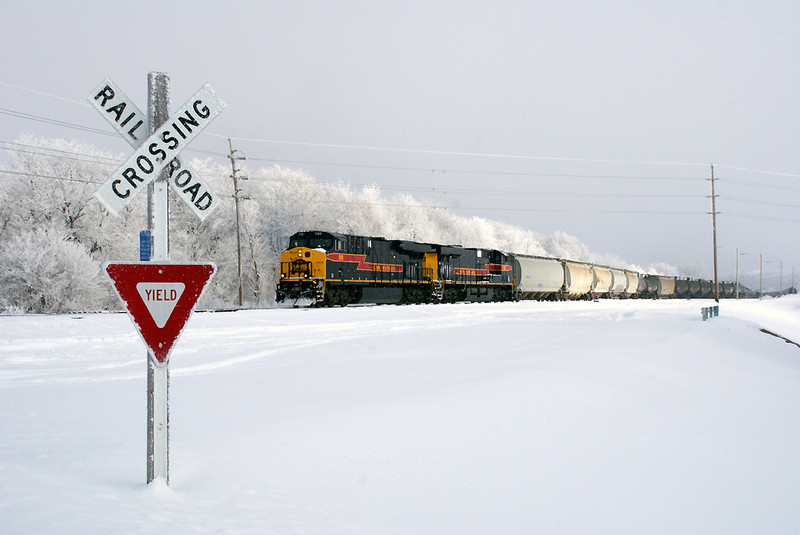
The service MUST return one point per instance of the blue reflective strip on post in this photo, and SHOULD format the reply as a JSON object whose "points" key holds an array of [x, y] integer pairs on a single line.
{"points": [[145, 246]]}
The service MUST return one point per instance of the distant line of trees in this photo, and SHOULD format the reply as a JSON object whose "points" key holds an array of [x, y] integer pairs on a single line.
{"points": [[55, 237]]}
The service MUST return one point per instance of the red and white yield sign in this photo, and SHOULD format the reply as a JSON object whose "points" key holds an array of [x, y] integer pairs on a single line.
{"points": [[159, 298]]}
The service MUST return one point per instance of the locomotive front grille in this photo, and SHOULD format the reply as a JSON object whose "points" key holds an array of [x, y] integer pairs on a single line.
{"points": [[299, 269]]}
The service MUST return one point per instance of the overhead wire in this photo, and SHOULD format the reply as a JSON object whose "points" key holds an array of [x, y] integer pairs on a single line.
{"points": [[51, 177], [39, 118], [37, 92], [762, 218], [762, 186], [414, 169], [390, 149], [431, 190], [456, 153], [532, 210], [753, 201], [444, 171], [97, 159], [38, 150], [46, 151]]}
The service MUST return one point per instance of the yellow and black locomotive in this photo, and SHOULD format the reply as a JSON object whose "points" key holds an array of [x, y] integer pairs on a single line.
{"points": [[328, 269]]}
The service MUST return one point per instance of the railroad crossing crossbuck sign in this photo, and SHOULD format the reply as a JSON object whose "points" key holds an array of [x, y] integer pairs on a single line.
{"points": [[158, 151]]}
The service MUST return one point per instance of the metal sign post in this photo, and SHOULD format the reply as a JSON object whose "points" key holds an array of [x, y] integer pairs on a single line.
{"points": [[158, 223], [159, 299], [155, 164]]}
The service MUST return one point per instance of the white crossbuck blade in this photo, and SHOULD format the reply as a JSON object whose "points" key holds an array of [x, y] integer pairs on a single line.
{"points": [[157, 152]]}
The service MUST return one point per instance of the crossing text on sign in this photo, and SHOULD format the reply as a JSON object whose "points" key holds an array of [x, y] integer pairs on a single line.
{"points": [[144, 164], [158, 150]]}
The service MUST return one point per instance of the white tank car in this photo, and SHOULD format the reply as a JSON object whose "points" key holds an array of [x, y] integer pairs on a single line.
{"points": [[602, 280], [633, 282], [578, 279], [539, 277], [619, 282], [667, 286]]}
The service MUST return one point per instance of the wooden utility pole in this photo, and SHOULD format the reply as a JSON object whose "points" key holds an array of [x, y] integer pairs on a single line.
{"points": [[714, 231], [235, 175]]}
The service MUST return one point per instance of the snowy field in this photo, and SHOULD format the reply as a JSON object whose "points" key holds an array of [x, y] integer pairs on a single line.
{"points": [[605, 417]]}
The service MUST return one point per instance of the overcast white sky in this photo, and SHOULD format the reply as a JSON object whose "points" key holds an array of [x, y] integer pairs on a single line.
{"points": [[572, 88]]}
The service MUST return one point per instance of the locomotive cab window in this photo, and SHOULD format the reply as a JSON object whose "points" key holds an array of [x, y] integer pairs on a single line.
{"points": [[312, 242]]}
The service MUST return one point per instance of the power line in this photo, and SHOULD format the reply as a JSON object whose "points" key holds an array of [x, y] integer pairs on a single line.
{"points": [[420, 189], [533, 210], [762, 218], [36, 92], [415, 169], [763, 186], [51, 177], [509, 193], [750, 170], [374, 148], [46, 151], [66, 157], [69, 154], [415, 206], [751, 201], [443, 171], [438, 171], [20, 148], [457, 153], [56, 122]]}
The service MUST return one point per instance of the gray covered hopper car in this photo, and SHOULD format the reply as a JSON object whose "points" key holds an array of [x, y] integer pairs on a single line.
{"points": [[578, 279], [619, 282], [633, 282], [667, 286], [538, 277], [652, 285], [682, 288], [602, 280]]}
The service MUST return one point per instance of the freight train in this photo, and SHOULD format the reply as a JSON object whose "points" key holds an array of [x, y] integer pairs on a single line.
{"points": [[332, 269]]}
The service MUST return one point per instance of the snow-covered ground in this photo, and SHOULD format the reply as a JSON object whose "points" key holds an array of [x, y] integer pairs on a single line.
{"points": [[603, 417]]}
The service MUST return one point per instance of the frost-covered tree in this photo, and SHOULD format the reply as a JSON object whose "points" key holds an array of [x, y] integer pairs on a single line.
{"points": [[48, 206], [51, 228], [42, 272], [51, 189]]}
